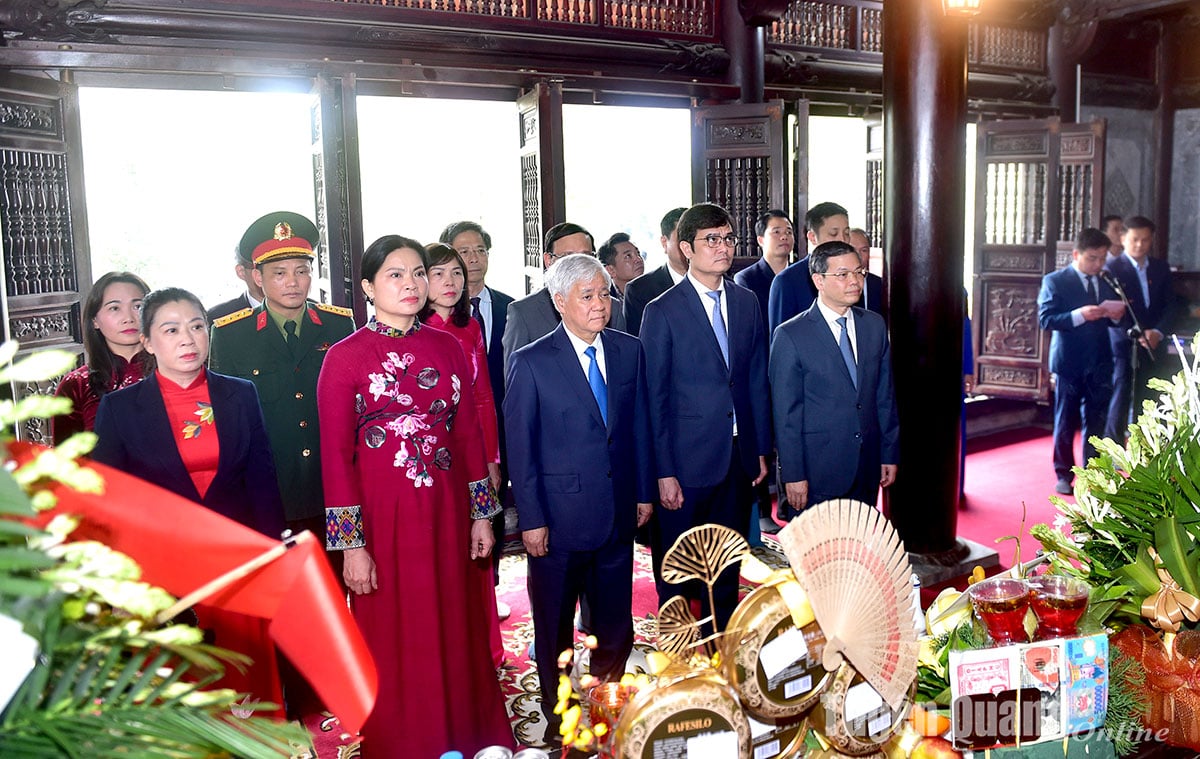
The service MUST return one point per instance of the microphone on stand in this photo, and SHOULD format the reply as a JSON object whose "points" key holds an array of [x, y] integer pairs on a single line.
{"points": [[1135, 332]]}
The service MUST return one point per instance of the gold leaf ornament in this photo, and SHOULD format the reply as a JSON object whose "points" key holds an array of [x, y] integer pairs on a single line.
{"points": [[678, 630], [703, 553]]}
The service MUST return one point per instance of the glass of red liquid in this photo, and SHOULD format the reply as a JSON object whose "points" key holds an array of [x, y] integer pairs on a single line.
{"points": [[1058, 602], [1001, 603]]}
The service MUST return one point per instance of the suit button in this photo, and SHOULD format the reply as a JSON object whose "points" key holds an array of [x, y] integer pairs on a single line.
{"points": [[729, 415], [731, 383], [858, 435], [303, 422], [610, 441], [609, 474], [306, 453], [254, 372], [299, 396]]}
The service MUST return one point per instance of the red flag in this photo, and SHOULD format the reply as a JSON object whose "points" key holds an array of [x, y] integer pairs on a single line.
{"points": [[181, 545]]}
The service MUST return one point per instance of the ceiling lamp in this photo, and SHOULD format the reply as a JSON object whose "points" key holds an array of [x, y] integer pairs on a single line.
{"points": [[964, 8]]}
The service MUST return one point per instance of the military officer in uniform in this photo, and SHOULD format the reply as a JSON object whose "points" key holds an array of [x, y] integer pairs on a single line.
{"points": [[279, 346]]}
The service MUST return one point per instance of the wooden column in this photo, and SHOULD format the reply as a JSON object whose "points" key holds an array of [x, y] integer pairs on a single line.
{"points": [[1164, 132], [925, 110], [746, 46]]}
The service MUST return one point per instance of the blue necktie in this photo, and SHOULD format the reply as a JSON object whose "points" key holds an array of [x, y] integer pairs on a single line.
{"points": [[847, 351], [596, 380], [719, 325]]}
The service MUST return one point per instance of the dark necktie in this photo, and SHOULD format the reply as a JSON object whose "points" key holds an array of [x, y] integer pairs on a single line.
{"points": [[1092, 290], [719, 325], [289, 327], [847, 351], [477, 315], [596, 381]]}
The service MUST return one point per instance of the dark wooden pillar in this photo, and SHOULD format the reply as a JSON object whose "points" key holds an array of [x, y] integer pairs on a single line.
{"points": [[924, 120], [746, 46], [1068, 40], [1164, 128]]}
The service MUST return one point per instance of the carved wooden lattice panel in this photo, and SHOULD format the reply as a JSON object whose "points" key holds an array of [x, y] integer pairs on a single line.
{"points": [[1017, 215], [685, 17], [1006, 47], [1081, 173], [43, 229], [812, 24], [35, 223], [738, 162]]}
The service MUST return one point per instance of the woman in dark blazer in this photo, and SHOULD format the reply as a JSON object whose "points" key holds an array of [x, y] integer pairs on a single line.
{"points": [[200, 435]]}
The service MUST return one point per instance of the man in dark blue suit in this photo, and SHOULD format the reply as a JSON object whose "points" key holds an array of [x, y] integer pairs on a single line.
{"points": [[1078, 306], [777, 241], [792, 290], [1146, 282], [581, 460], [489, 307], [709, 400], [836, 426], [652, 284]]}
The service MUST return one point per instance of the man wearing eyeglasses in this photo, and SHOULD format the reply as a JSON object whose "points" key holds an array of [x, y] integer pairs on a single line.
{"points": [[706, 359], [836, 427], [534, 315]]}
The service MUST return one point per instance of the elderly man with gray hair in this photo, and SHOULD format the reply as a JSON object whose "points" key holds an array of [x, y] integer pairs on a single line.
{"points": [[581, 463]]}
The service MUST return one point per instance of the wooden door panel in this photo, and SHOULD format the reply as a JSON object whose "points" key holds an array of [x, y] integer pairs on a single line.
{"points": [[43, 225], [739, 162], [1038, 184], [543, 172]]}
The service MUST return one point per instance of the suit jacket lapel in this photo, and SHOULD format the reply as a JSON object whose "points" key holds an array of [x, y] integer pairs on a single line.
{"points": [[225, 418], [572, 371], [155, 422], [499, 317], [700, 312]]}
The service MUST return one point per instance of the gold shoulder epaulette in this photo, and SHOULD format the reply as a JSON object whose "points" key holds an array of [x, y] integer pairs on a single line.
{"points": [[347, 312], [231, 318]]}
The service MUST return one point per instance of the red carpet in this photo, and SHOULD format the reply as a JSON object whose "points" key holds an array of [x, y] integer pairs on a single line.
{"points": [[1003, 471]]}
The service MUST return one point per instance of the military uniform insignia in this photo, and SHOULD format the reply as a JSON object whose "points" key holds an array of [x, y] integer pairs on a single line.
{"points": [[312, 314], [339, 310], [262, 320], [231, 318]]}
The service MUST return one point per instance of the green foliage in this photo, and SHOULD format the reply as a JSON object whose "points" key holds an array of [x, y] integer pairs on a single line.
{"points": [[1126, 701], [1136, 502], [108, 681]]}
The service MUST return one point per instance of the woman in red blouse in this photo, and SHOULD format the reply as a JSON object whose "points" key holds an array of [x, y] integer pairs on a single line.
{"points": [[200, 435], [112, 347], [449, 309]]}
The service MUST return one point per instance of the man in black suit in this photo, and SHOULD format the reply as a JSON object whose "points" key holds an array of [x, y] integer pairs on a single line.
{"points": [[1078, 306], [490, 308], [777, 241], [1146, 282], [251, 297], [649, 286]]}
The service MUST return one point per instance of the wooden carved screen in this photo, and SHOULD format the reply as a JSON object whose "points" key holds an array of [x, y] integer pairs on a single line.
{"points": [[43, 227], [1016, 207], [1081, 183], [739, 162], [873, 223], [543, 203]]}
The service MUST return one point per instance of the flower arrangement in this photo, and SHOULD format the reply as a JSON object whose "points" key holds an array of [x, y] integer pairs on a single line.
{"points": [[1132, 533]]}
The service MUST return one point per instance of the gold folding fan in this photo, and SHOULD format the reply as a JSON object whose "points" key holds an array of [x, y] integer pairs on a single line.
{"points": [[850, 561]]}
